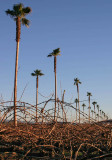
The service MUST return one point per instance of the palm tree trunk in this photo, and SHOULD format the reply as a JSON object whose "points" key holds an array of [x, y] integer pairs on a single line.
{"points": [[78, 102], [62, 106], [15, 85], [36, 98], [55, 87], [92, 115], [83, 114], [76, 112], [94, 112], [89, 109], [98, 115], [18, 32]]}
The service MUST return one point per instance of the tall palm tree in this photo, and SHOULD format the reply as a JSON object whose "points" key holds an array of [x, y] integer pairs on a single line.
{"points": [[77, 82], [97, 117], [55, 53], [18, 14], [94, 103], [89, 95], [76, 101], [37, 73], [100, 114], [83, 105], [104, 115], [98, 111]]}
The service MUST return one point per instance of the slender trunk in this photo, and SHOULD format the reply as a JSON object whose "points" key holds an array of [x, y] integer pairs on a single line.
{"points": [[58, 110], [89, 109], [76, 112], [15, 85], [83, 114], [55, 87], [78, 102], [36, 98], [62, 106], [18, 32], [94, 112], [98, 115], [92, 115]]}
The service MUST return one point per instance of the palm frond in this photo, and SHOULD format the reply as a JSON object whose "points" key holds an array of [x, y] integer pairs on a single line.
{"points": [[50, 55], [33, 74], [10, 12], [25, 22], [18, 9], [27, 10]]}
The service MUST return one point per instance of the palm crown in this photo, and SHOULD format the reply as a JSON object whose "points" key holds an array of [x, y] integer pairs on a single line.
{"points": [[94, 103], [76, 100], [76, 81], [98, 107], [83, 105], [37, 73], [55, 53], [20, 11], [89, 94]]}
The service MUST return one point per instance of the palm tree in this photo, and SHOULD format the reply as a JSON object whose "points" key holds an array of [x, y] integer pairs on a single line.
{"points": [[37, 73], [77, 82], [55, 53], [62, 106], [104, 115], [76, 101], [92, 113], [83, 105], [98, 111], [100, 114], [18, 14], [89, 95], [97, 115], [94, 103]]}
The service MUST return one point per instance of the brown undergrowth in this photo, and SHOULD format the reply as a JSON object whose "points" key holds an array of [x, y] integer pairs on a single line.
{"points": [[55, 141]]}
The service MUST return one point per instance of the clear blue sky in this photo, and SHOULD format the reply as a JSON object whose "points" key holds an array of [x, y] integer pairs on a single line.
{"points": [[82, 29]]}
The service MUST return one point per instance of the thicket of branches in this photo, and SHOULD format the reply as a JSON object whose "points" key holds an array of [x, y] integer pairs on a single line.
{"points": [[49, 139]]}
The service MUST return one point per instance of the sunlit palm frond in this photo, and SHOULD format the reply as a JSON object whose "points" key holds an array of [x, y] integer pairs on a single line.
{"points": [[25, 22]]}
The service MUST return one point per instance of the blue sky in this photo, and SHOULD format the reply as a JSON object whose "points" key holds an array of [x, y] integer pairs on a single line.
{"points": [[82, 29]]}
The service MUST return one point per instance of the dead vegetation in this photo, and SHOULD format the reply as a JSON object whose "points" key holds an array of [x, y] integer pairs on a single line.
{"points": [[47, 139]]}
